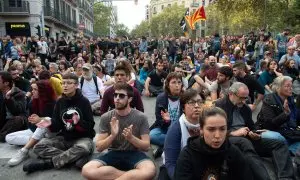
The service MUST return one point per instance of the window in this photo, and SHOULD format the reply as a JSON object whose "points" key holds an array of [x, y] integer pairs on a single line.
{"points": [[169, 5], [74, 15], [15, 3], [162, 7]]}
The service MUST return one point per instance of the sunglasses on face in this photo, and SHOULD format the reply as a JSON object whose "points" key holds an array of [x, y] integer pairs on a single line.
{"points": [[120, 95]]}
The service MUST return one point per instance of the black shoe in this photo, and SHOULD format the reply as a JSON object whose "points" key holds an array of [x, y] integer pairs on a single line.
{"points": [[82, 161], [158, 152], [38, 164]]}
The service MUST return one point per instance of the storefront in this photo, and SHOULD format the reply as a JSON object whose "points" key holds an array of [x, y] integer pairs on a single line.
{"points": [[17, 29]]}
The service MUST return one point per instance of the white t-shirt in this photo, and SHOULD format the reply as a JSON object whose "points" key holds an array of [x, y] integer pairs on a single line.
{"points": [[44, 47], [89, 89]]}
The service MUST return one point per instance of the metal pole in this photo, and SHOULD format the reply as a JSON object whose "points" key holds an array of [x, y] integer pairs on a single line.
{"points": [[265, 9], [42, 20]]}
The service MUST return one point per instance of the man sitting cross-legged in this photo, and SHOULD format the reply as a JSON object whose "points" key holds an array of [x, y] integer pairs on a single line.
{"points": [[125, 132]]}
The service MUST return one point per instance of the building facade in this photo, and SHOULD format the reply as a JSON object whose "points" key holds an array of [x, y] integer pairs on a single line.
{"points": [[59, 18]]}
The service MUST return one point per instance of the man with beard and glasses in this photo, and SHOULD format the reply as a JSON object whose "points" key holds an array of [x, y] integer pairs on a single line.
{"points": [[243, 134], [91, 87], [239, 72], [122, 74], [125, 133], [220, 87]]}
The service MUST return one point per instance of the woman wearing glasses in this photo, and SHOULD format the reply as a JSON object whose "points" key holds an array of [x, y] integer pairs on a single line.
{"points": [[167, 110], [188, 126], [211, 155]]}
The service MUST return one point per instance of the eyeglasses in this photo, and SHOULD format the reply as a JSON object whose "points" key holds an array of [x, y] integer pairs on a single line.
{"points": [[241, 98], [120, 95], [68, 83], [194, 102]]}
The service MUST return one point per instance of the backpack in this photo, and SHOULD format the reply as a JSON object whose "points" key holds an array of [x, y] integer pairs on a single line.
{"points": [[95, 81]]}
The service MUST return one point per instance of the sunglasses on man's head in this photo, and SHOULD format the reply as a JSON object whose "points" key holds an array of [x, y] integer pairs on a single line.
{"points": [[120, 95]]}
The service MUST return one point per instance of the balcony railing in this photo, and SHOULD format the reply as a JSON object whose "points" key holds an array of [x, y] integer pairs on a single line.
{"points": [[14, 7], [56, 14], [85, 8]]}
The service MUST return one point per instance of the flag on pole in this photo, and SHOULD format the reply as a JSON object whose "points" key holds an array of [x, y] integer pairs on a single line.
{"points": [[183, 22], [199, 15]]}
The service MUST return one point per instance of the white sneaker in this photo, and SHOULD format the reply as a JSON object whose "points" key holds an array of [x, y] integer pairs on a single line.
{"points": [[19, 157]]}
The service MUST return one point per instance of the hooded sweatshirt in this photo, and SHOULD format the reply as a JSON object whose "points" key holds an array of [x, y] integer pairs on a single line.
{"points": [[73, 117], [199, 161]]}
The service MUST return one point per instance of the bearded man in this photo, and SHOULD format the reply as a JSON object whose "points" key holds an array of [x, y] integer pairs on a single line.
{"points": [[91, 86]]}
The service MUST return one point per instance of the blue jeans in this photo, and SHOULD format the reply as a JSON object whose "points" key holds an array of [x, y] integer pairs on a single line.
{"points": [[157, 136], [293, 146]]}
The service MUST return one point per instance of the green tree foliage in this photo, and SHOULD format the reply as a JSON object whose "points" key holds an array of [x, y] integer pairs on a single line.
{"points": [[121, 30], [141, 30], [243, 16], [101, 19], [165, 23]]}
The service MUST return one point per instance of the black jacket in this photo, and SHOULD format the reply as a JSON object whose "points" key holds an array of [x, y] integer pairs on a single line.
{"points": [[199, 161], [162, 102], [228, 107], [16, 105], [73, 117], [272, 116]]}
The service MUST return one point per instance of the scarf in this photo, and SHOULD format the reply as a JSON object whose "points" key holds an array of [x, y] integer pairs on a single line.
{"points": [[187, 129]]}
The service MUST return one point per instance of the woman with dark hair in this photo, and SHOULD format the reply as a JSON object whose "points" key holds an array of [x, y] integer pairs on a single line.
{"points": [[266, 78], [167, 110], [289, 69], [40, 107], [63, 67], [144, 71], [188, 126], [211, 155]]}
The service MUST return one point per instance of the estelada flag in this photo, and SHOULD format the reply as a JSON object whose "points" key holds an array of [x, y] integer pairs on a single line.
{"points": [[183, 21], [199, 15]]}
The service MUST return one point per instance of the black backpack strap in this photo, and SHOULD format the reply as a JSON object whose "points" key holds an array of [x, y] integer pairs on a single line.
{"points": [[81, 82], [96, 84]]}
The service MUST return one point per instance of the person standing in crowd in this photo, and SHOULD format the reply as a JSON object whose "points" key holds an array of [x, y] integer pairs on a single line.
{"points": [[155, 80], [187, 126], [12, 107], [279, 114], [143, 45], [41, 106], [125, 132], [167, 110], [72, 119], [211, 155], [122, 74], [243, 134], [42, 50], [281, 42]]}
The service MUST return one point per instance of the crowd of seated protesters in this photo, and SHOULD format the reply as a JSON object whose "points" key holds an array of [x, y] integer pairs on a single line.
{"points": [[203, 112]]}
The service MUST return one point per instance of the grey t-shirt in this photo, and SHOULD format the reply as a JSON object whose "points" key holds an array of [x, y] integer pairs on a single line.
{"points": [[223, 91], [136, 118], [237, 120]]}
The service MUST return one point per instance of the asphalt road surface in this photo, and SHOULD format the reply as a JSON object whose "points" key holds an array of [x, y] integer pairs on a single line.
{"points": [[71, 173]]}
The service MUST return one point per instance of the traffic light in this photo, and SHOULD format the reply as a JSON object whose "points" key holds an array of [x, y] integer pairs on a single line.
{"points": [[39, 30]]}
